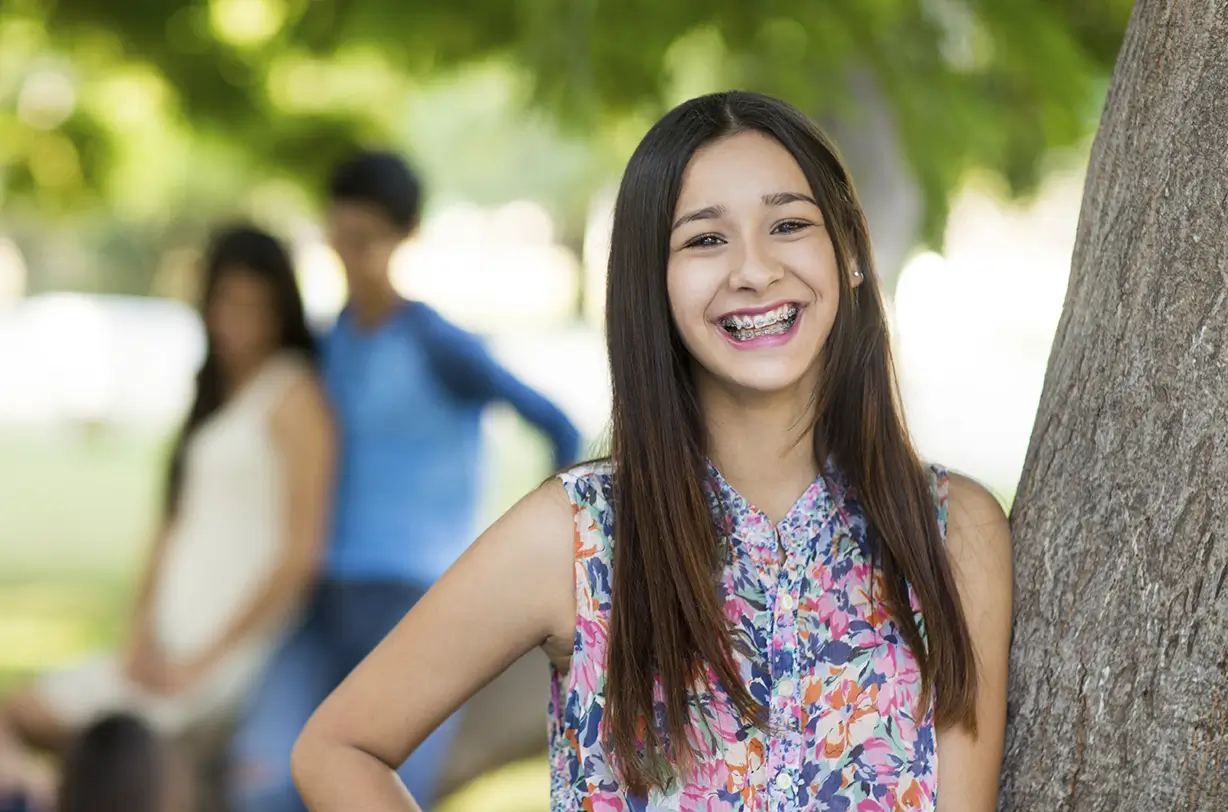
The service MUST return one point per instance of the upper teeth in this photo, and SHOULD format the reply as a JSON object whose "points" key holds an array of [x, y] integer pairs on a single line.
{"points": [[761, 320]]}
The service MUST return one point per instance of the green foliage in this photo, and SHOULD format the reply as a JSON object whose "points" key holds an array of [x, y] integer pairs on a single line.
{"points": [[283, 87]]}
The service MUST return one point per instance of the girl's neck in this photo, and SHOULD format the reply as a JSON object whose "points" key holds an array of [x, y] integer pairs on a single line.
{"points": [[763, 446], [239, 373]]}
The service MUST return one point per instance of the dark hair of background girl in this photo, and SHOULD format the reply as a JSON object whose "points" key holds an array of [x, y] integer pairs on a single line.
{"points": [[250, 251], [666, 616], [116, 764]]}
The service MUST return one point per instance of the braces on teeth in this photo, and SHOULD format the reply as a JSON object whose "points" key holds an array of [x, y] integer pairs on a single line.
{"points": [[773, 322]]}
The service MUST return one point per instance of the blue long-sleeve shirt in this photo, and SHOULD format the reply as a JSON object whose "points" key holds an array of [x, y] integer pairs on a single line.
{"points": [[409, 395]]}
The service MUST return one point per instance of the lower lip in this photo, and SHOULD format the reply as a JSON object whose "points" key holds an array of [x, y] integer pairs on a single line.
{"points": [[764, 342]]}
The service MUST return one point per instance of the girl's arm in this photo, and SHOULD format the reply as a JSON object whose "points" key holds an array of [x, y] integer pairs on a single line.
{"points": [[469, 371], [979, 544], [509, 593]]}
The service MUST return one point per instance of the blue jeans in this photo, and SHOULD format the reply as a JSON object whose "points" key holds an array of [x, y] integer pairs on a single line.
{"points": [[344, 622]]}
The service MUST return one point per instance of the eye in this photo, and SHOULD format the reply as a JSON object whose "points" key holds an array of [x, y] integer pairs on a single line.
{"points": [[791, 226], [705, 241]]}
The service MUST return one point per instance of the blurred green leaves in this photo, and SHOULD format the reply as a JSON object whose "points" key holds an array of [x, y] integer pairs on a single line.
{"points": [[128, 104]]}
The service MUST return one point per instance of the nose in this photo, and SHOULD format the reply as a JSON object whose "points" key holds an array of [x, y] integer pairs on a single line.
{"points": [[754, 268]]}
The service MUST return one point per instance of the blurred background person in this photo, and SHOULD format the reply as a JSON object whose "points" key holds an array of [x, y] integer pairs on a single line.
{"points": [[247, 495], [409, 389], [120, 764]]}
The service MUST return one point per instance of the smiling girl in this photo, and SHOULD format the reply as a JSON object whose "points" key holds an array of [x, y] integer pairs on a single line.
{"points": [[762, 599]]}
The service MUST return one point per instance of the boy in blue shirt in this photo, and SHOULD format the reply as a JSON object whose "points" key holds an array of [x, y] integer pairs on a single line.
{"points": [[408, 388]]}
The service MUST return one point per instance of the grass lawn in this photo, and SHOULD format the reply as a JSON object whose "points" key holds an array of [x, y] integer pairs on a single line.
{"points": [[76, 512]]}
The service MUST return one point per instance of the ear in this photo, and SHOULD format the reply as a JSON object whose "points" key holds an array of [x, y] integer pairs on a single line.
{"points": [[856, 276]]}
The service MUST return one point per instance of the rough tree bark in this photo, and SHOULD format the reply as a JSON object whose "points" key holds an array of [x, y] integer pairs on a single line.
{"points": [[1119, 668]]}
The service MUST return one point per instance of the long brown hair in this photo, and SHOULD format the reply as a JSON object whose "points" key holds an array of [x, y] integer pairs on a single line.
{"points": [[666, 617]]}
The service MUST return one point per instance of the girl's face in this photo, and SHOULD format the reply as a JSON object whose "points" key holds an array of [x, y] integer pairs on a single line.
{"points": [[242, 318], [752, 273]]}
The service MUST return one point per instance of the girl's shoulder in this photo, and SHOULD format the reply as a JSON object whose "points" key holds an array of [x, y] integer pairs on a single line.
{"points": [[957, 496]]}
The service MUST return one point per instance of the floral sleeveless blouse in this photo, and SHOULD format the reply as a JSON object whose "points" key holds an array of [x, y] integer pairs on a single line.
{"points": [[840, 684]]}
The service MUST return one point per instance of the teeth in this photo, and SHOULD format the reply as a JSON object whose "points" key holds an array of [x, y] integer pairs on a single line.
{"points": [[770, 322]]}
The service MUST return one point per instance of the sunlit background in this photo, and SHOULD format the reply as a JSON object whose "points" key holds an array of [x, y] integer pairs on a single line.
{"points": [[126, 135]]}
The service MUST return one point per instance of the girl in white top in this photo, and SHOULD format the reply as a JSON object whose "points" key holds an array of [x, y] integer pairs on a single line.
{"points": [[246, 511]]}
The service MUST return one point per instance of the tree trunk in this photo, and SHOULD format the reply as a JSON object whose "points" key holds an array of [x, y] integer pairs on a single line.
{"points": [[1119, 667]]}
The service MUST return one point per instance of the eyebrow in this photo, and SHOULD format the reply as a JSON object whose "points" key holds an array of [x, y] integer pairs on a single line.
{"points": [[715, 212], [784, 198], [706, 213]]}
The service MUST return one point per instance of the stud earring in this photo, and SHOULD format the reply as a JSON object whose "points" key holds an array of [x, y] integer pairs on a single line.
{"points": [[856, 274]]}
